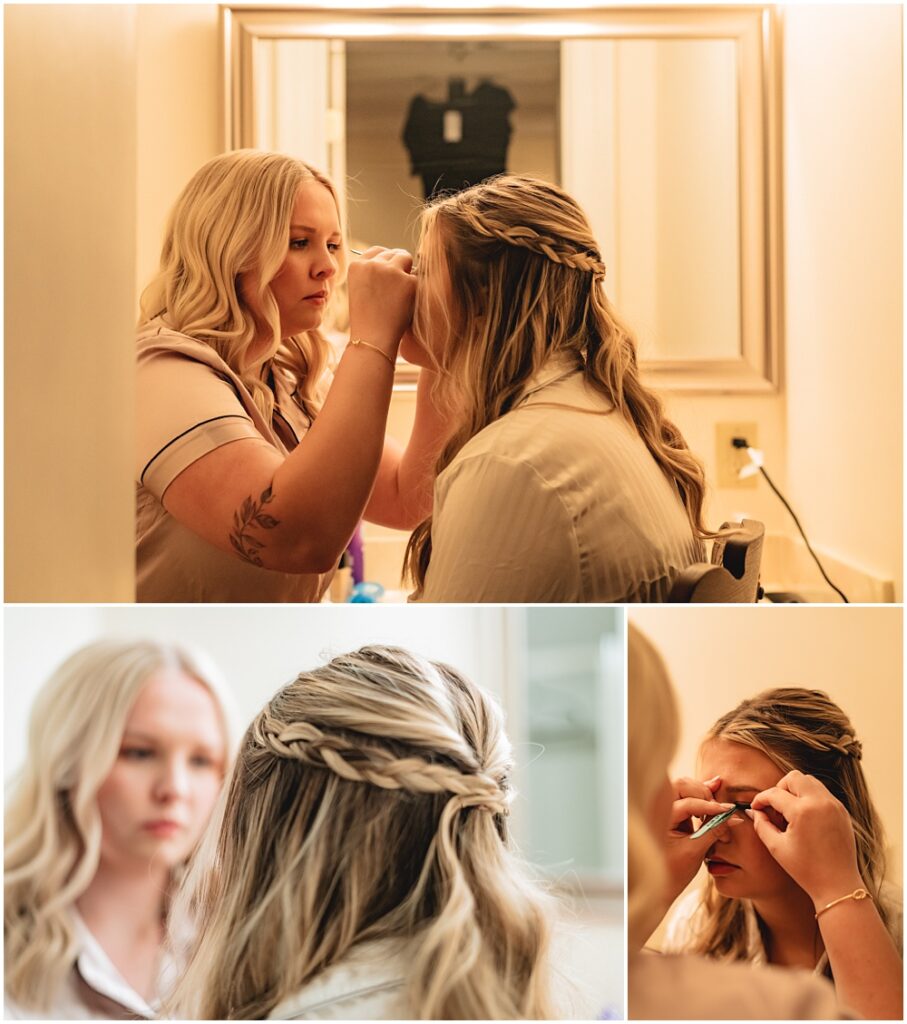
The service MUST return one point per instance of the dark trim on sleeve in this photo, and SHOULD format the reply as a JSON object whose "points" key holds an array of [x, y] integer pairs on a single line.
{"points": [[188, 430]]}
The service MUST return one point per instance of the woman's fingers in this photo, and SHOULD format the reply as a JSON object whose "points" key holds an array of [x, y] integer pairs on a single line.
{"points": [[693, 807], [684, 787], [780, 799]]}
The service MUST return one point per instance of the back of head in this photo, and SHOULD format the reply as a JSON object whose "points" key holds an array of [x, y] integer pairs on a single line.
{"points": [[652, 730], [368, 801], [800, 729], [233, 218], [527, 286], [52, 824]]}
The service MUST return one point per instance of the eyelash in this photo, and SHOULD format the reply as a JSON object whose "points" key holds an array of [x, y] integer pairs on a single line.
{"points": [[302, 243]]}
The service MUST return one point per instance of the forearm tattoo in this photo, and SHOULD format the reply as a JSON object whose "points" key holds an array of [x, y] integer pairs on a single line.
{"points": [[245, 518]]}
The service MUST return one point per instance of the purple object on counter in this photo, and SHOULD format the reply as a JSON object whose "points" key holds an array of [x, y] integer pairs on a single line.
{"points": [[356, 553]]}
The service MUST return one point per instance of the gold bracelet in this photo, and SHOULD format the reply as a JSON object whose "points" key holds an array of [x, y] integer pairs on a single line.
{"points": [[857, 894], [368, 344]]}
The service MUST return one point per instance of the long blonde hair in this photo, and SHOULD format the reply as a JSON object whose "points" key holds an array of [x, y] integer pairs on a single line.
{"points": [[369, 801], [652, 734], [528, 283], [234, 217], [804, 730], [52, 823]]}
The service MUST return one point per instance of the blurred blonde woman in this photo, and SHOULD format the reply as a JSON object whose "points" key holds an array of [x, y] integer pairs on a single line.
{"points": [[127, 748], [817, 843], [362, 868], [561, 478], [790, 751], [251, 474]]}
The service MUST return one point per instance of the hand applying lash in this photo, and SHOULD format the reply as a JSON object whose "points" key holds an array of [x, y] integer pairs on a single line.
{"points": [[817, 848]]}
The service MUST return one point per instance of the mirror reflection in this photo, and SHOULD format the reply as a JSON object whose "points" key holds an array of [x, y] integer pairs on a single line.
{"points": [[657, 129]]}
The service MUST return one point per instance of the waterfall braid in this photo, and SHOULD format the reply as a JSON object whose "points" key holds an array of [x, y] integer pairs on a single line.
{"points": [[234, 217], [368, 802], [804, 730], [527, 283]]}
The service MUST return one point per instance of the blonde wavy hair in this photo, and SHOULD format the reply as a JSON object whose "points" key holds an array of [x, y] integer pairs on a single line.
{"points": [[527, 280], [369, 801], [232, 218], [52, 823], [652, 735], [804, 730]]}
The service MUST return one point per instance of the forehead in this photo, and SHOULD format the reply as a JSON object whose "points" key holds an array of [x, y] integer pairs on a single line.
{"points": [[315, 207], [738, 765], [175, 708]]}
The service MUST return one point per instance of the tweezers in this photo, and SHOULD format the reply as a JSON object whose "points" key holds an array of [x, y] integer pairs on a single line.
{"points": [[719, 819]]}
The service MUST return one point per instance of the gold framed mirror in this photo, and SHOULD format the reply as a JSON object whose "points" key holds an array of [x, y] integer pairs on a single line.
{"points": [[661, 121]]}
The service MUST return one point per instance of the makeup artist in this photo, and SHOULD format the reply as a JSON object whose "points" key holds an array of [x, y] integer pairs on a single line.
{"points": [[254, 465]]}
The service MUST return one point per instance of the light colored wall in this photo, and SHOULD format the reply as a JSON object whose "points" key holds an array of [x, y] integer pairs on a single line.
{"points": [[844, 325], [718, 656], [177, 114], [70, 245]]}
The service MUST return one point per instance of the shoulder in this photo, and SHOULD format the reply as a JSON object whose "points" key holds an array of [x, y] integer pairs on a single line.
{"points": [[695, 988], [368, 984], [156, 341]]}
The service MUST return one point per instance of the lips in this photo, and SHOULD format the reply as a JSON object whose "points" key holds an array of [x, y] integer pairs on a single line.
{"points": [[717, 866], [316, 297], [162, 828]]}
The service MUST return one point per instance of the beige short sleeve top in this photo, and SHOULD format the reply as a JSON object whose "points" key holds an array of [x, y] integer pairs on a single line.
{"points": [[189, 402], [665, 987], [557, 501]]}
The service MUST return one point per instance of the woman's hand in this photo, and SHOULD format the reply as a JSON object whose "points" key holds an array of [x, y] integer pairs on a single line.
{"points": [[692, 799], [815, 843], [382, 295]]}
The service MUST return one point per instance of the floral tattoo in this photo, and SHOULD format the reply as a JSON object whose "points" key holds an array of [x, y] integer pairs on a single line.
{"points": [[249, 515]]}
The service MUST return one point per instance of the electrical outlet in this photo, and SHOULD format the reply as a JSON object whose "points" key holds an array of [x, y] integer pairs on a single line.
{"points": [[729, 460]]}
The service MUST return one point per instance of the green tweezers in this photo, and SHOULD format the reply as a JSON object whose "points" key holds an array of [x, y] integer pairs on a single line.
{"points": [[719, 819]]}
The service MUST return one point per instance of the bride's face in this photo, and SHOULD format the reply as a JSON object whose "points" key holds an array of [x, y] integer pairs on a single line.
{"points": [[739, 863]]}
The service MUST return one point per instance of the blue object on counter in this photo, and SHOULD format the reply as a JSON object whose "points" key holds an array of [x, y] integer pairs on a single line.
{"points": [[366, 593]]}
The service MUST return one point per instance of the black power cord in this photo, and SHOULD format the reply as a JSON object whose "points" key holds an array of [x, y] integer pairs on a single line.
{"points": [[741, 442]]}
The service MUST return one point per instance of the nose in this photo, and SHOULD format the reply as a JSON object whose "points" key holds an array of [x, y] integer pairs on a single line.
{"points": [[172, 781], [325, 266]]}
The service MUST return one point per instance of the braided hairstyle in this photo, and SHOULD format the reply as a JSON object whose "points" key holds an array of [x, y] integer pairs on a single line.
{"points": [[804, 730], [369, 801], [527, 284]]}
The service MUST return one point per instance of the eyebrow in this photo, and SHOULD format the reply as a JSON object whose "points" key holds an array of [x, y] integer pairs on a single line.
{"points": [[743, 789], [311, 231]]}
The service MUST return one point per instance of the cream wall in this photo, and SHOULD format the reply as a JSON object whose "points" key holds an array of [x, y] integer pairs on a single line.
{"points": [[844, 235], [70, 205], [718, 656], [177, 113]]}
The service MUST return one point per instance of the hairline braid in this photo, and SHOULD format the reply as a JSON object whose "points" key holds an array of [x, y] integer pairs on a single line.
{"points": [[303, 741], [542, 245]]}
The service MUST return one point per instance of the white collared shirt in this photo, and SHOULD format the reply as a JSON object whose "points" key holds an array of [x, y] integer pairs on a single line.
{"points": [[97, 970], [368, 984]]}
